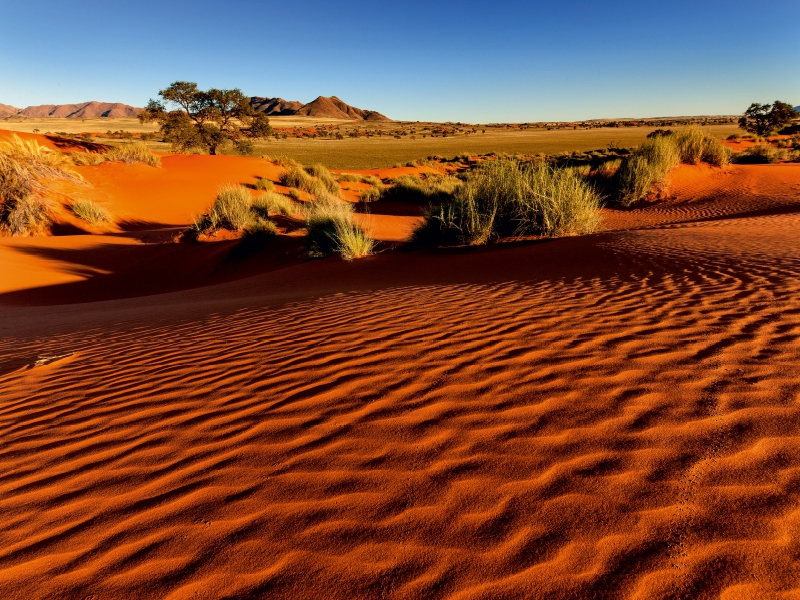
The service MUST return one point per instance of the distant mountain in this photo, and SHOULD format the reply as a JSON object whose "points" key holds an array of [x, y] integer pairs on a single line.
{"points": [[322, 107], [797, 108], [85, 110], [275, 106], [7, 111]]}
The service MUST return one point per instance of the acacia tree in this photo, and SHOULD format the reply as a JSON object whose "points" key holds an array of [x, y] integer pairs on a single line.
{"points": [[195, 119], [764, 118]]}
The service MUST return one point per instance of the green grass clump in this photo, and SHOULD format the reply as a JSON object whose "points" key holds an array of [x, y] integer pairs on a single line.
{"points": [[324, 176], [25, 166], [761, 154], [272, 203], [264, 184], [83, 159], [332, 230], [431, 189], [91, 212], [133, 153], [646, 168], [505, 198], [372, 193], [695, 146], [230, 210]]}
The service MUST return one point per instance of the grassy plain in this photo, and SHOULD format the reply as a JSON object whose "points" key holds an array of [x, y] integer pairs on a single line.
{"points": [[384, 151]]}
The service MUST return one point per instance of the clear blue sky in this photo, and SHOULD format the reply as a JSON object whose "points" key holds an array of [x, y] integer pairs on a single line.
{"points": [[413, 60]]}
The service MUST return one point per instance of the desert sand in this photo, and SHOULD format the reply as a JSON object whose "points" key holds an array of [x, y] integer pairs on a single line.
{"points": [[607, 416]]}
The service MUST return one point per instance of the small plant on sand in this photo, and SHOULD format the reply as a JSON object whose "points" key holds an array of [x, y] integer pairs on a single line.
{"points": [[91, 212], [646, 168], [372, 193], [230, 210], [272, 203], [24, 168], [431, 189], [761, 154], [264, 184], [695, 145], [324, 176], [505, 198], [331, 229], [294, 194], [133, 153], [83, 159]]}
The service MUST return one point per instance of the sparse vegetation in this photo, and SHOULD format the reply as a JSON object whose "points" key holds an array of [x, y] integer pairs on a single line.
{"points": [[429, 189], [91, 212], [24, 168], [316, 180], [230, 210], [264, 184], [272, 203], [505, 198], [647, 168], [760, 154], [133, 153], [372, 193], [129, 154], [332, 230]]}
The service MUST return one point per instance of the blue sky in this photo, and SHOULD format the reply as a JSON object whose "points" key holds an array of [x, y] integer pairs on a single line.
{"points": [[414, 60]]}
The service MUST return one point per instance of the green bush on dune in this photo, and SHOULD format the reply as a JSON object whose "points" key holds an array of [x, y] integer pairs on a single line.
{"points": [[506, 198]]}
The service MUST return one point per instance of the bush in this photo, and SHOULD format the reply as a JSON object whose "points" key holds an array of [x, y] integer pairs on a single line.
{"points": [[331, 229], [431, 189], [294, 194], [230, 210], [83, 159], [272, 203], [91, 212], [506, 198], [133, 153], [324, 176], [646, 168], [695, 145], [761, 154], [24, 166], [349, 177], [264, 184], [371, 194]]}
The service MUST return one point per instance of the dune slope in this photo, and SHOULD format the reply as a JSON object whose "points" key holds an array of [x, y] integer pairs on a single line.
{"points": [[614, 416]]}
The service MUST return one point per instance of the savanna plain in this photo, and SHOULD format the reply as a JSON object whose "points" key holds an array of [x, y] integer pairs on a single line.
{"points": [[442, 363]]}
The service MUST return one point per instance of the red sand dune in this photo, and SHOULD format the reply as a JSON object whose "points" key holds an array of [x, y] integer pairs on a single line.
{"points": [[608, 416]]}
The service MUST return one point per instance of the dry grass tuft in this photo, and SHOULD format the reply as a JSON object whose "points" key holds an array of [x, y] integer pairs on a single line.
{"points": [[332, 230], [505, 198], [91, 212], [272, 203], [25, 166]]}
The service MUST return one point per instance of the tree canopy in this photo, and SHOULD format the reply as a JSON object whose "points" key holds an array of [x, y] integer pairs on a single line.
{"points": [[191, 118], [761, 119]]}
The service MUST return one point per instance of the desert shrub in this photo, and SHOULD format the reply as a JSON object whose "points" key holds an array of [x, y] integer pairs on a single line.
{"points": [[507, 198], [430, 189], [294, 194], [230, 210], [331, 229], [372, 180], [264, 184], [794, 156], [272, 203], [91, 212], [734, 136], [83, 159], [133, 153], [608, 168], [348, 177], [646, 168], [371, 194], [25, 166], [295, 177], [324, 176], [761, 154], [696, 145]]}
